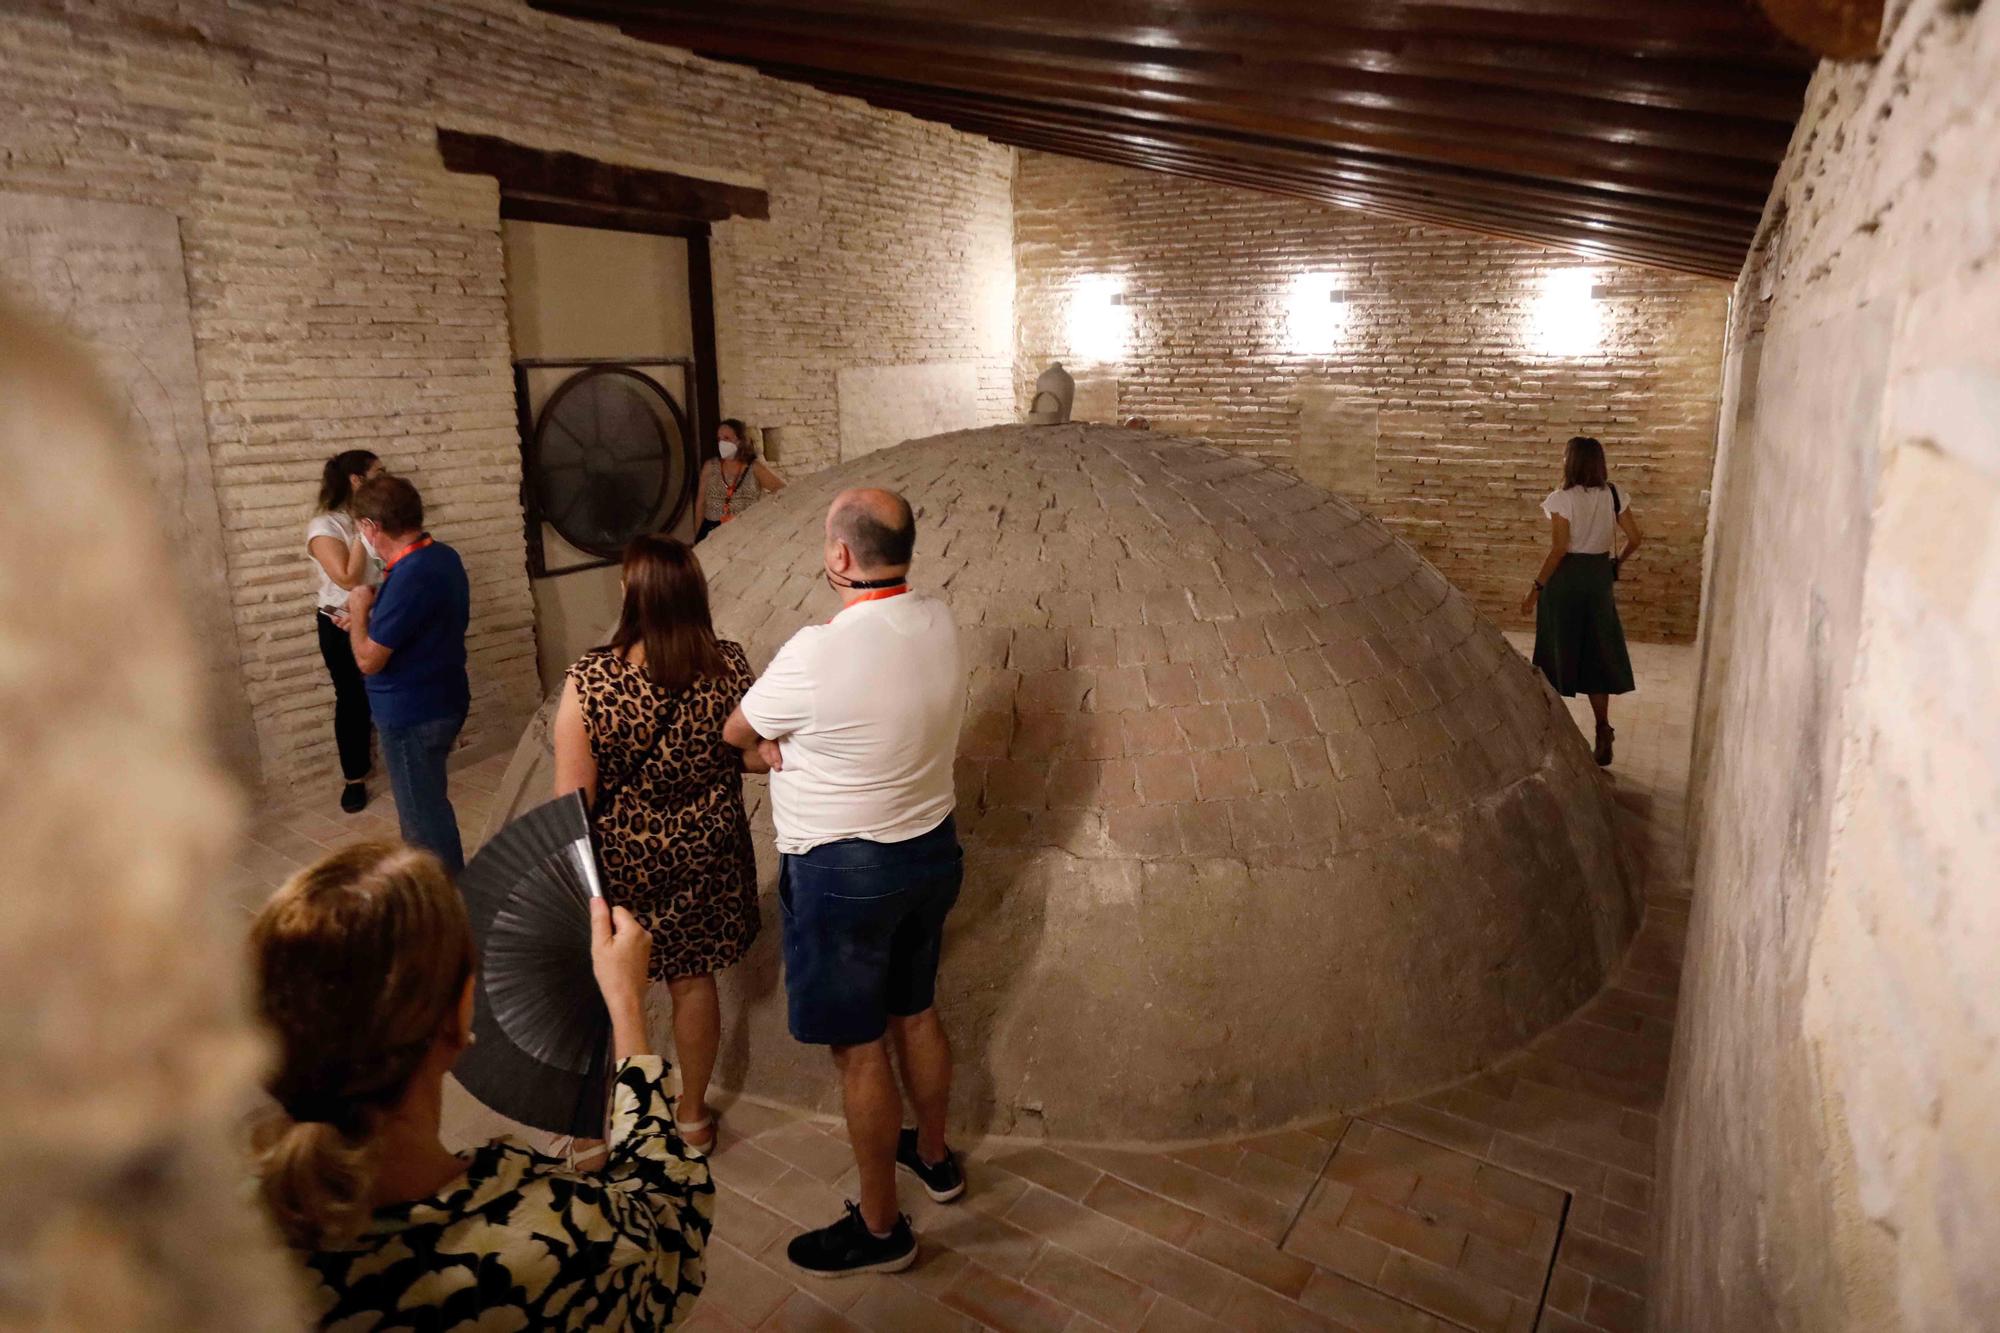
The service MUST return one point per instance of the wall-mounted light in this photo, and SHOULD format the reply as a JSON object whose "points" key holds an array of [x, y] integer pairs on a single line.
{"points": [[1099, 321], [1317, 313], [1566, 319]]}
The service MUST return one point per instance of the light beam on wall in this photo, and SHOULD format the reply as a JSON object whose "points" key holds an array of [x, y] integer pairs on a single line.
{"points": [[1567, 319], [1317, 313], [1100, 323]]}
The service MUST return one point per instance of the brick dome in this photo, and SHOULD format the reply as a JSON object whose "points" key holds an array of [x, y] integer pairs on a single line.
{"points": [[1263, 821]]}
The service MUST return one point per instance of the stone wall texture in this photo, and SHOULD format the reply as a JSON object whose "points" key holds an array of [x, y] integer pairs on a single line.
{"points": [[1831, 1148], [1432, 411], [347, 292]]}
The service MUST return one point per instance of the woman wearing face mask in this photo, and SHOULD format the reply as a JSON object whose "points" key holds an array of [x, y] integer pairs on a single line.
{"points": [[342, 562], [736, 479]]}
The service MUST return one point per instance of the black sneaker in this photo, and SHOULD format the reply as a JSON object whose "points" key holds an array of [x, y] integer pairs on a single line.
{"points": [[354, 797], [943, 1182], [848, 1247]]}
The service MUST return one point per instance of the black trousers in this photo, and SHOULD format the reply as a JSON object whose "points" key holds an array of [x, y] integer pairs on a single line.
{"points": [[350, 698]]}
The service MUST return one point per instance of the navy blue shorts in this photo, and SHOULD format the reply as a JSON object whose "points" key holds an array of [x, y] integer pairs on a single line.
{"points": [[863, 928]]}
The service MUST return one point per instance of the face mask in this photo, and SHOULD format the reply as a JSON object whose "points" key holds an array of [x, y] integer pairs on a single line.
{"points": [[727, 448]]}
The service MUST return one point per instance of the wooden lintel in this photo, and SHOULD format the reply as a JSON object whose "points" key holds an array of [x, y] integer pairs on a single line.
{"points": [[638, 193]]}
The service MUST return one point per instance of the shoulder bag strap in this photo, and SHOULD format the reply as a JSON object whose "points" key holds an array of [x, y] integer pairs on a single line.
{"points": [[607, 790]]}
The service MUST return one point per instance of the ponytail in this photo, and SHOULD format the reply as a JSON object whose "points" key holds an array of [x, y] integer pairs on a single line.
{"points": [[314, 1178], [360, 964], [336, 482]]}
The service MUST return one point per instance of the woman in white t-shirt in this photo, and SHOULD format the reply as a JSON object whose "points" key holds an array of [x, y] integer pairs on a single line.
{"points": [[1579, 643], [342, 561]]}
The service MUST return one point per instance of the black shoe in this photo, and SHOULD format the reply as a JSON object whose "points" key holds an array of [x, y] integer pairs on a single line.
{"points": [[943, 1182], [848, 1247], [1604, 735], [354, 797]]}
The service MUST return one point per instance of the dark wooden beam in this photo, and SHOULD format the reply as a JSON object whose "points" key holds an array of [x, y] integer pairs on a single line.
{"points": [[1279, 93], [1686, 28], [1664, 177], [549, 178], [1641, 130]]}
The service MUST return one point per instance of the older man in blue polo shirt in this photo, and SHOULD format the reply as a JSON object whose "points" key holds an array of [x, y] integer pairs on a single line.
{"points": [[409, 641]]}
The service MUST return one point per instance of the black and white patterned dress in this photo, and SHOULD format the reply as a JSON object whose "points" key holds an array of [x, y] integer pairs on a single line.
{"points": [[521, 1242]]}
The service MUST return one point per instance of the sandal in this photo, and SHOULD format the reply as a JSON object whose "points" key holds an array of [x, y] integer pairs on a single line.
{"points": [[1604, 735], [687, 1127]]}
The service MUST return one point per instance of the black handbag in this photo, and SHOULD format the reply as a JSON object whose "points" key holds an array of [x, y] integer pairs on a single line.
{"points": [[1617, 508]]}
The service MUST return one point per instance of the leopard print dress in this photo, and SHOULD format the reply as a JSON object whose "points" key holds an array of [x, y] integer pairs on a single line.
{"points": [[674, 838]]}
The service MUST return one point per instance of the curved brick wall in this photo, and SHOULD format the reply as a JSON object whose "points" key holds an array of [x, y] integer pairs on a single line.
{"points": [[1263, 820]]}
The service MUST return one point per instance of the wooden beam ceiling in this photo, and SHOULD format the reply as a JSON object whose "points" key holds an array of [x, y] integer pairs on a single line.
{"points": [[1646, 131]]}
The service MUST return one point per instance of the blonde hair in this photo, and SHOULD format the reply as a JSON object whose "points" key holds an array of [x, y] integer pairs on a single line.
{"points": [[359, 962]]}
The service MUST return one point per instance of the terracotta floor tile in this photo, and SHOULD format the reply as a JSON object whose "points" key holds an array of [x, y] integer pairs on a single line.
{"points": [[1082, 1230], [1137, 1208], [1279, 1181], [1569, 1290], [1114, 1301], [1541, 1199], [1604, 1261], [895, 1304], [1519, 1274], [1051, 1170], [1403, 1230], [1474, 1214], [1435, 1126], [747, 1224], [988, 1241], [1614, 1310], [1263, 1311], [986, 1191], [1448, 1294], [1364, 1307], [1338, 1249], [1251, 1257], [803, 1145], [1176, 1273], [1170, 1316], [803, 1314], [807, 1202], [1295, 1148], [1002, 1304], [746, 1166], [742, 1288]]}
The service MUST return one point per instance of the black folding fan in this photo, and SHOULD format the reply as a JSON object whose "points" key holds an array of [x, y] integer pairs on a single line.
{"points": [[541, 1030]]}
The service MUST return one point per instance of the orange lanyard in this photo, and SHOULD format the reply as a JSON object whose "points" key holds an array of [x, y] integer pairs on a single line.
{"points": [[729, 491], [417, 545], [873, 595]]}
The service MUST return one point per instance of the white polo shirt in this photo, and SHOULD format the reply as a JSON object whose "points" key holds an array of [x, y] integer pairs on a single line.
{"points": [[866, 709]]}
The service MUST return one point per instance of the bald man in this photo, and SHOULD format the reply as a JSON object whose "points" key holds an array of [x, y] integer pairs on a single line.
{"points": [[858, 719]]}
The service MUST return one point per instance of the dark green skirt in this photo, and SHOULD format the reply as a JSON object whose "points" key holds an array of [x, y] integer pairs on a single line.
{"points": [[1579, 644]]}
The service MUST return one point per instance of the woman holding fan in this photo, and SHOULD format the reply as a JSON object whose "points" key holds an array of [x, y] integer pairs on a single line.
{"points": [[362, 969], [639, 731]]}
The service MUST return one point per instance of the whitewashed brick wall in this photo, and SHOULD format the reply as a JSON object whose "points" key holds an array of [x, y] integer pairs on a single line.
{"points": [[1471, 426], [347, 291]]}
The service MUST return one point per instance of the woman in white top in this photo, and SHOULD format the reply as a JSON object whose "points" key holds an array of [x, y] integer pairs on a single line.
{"points": [[734, 480], [342, 561], [1579, 644]]}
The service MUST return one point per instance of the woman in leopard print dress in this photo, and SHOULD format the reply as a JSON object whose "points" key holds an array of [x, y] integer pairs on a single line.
{"points": [[639, 729]]}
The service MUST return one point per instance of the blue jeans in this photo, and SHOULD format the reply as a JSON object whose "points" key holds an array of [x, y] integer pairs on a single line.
{"points": [[415, 757], [864, 928]]}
